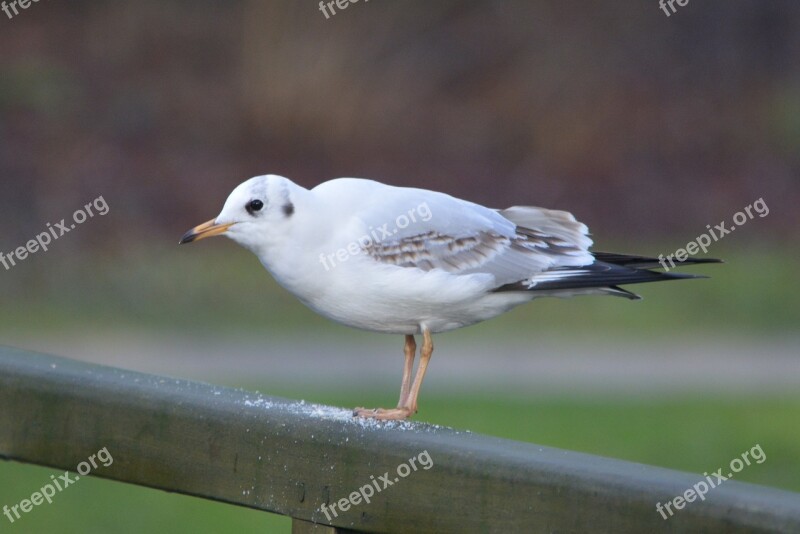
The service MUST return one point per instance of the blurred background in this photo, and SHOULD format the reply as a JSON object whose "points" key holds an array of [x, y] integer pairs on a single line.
{"points": [[646, 127]]}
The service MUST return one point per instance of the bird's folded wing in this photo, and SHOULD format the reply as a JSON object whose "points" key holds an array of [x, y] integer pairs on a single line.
{"points": [[464, 238]]}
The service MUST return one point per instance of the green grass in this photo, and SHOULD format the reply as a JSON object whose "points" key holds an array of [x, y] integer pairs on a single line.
{"points": [[223, 287], [692, 434], [95, 505], [223, 290]]}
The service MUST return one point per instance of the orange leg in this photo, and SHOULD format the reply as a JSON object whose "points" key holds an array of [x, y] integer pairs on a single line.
{"points": [[408, 392], [424, 359], [410, 350]]}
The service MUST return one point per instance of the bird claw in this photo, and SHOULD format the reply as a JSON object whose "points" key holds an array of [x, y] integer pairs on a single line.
{"points": [[383, 414]]}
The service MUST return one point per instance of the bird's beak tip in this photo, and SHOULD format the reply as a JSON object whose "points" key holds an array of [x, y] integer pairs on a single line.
{"points": [[188, 237], [202, 231]]}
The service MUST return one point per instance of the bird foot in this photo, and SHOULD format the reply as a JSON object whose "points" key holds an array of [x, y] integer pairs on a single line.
{"points": [[383, 414]]}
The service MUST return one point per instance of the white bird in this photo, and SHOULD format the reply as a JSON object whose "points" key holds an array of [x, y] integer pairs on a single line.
{"points": [[410, 261]]}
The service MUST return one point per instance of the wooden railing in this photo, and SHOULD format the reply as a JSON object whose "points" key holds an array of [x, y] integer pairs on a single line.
{"points": [[290, 458]]}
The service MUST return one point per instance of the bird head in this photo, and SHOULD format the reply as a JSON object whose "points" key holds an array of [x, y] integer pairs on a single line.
{"points": [[254, 210]]}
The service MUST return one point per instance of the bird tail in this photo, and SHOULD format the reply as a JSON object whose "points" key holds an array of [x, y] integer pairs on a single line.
{"points": [[604, 276], [644, 262]]}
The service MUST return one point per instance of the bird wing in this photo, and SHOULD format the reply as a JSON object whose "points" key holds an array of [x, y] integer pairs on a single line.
{"points": [[522, 248], [463, 238]]}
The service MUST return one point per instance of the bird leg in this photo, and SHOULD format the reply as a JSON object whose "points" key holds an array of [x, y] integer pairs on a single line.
{"points": [[410, 350], [424, 359], [408, 392]]}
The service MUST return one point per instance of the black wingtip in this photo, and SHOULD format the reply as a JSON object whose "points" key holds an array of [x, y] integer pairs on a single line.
{"points": [[697, 261], [681, 276], [649, 262], [619, 292]]}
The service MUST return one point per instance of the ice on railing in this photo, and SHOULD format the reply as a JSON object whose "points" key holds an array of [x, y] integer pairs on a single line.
{"points": [[333, 413]]}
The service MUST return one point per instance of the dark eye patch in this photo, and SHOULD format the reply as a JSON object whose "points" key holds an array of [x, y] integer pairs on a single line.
{"points": [[254, 206]]}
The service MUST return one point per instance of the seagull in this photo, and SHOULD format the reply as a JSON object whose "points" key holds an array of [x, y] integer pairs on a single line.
{"points": [[409, 261]]}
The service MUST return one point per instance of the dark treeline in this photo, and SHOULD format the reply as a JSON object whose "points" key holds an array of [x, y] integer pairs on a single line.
{"points": [[641, 124]]}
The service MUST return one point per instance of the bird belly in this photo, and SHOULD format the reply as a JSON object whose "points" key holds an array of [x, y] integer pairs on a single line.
{"points": [[437, 306]]}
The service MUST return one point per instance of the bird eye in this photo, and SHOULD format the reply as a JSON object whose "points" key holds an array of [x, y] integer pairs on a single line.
{"points": [[254, 205]]}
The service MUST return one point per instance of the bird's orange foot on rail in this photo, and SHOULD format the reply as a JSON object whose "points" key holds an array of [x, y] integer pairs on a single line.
{"points": [[383, 413]]}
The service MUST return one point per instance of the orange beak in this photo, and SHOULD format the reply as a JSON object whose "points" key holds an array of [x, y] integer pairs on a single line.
{"points": [[202, 231]]}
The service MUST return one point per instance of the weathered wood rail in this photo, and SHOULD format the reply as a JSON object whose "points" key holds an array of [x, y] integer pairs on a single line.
{"points": [[290, 458]]}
